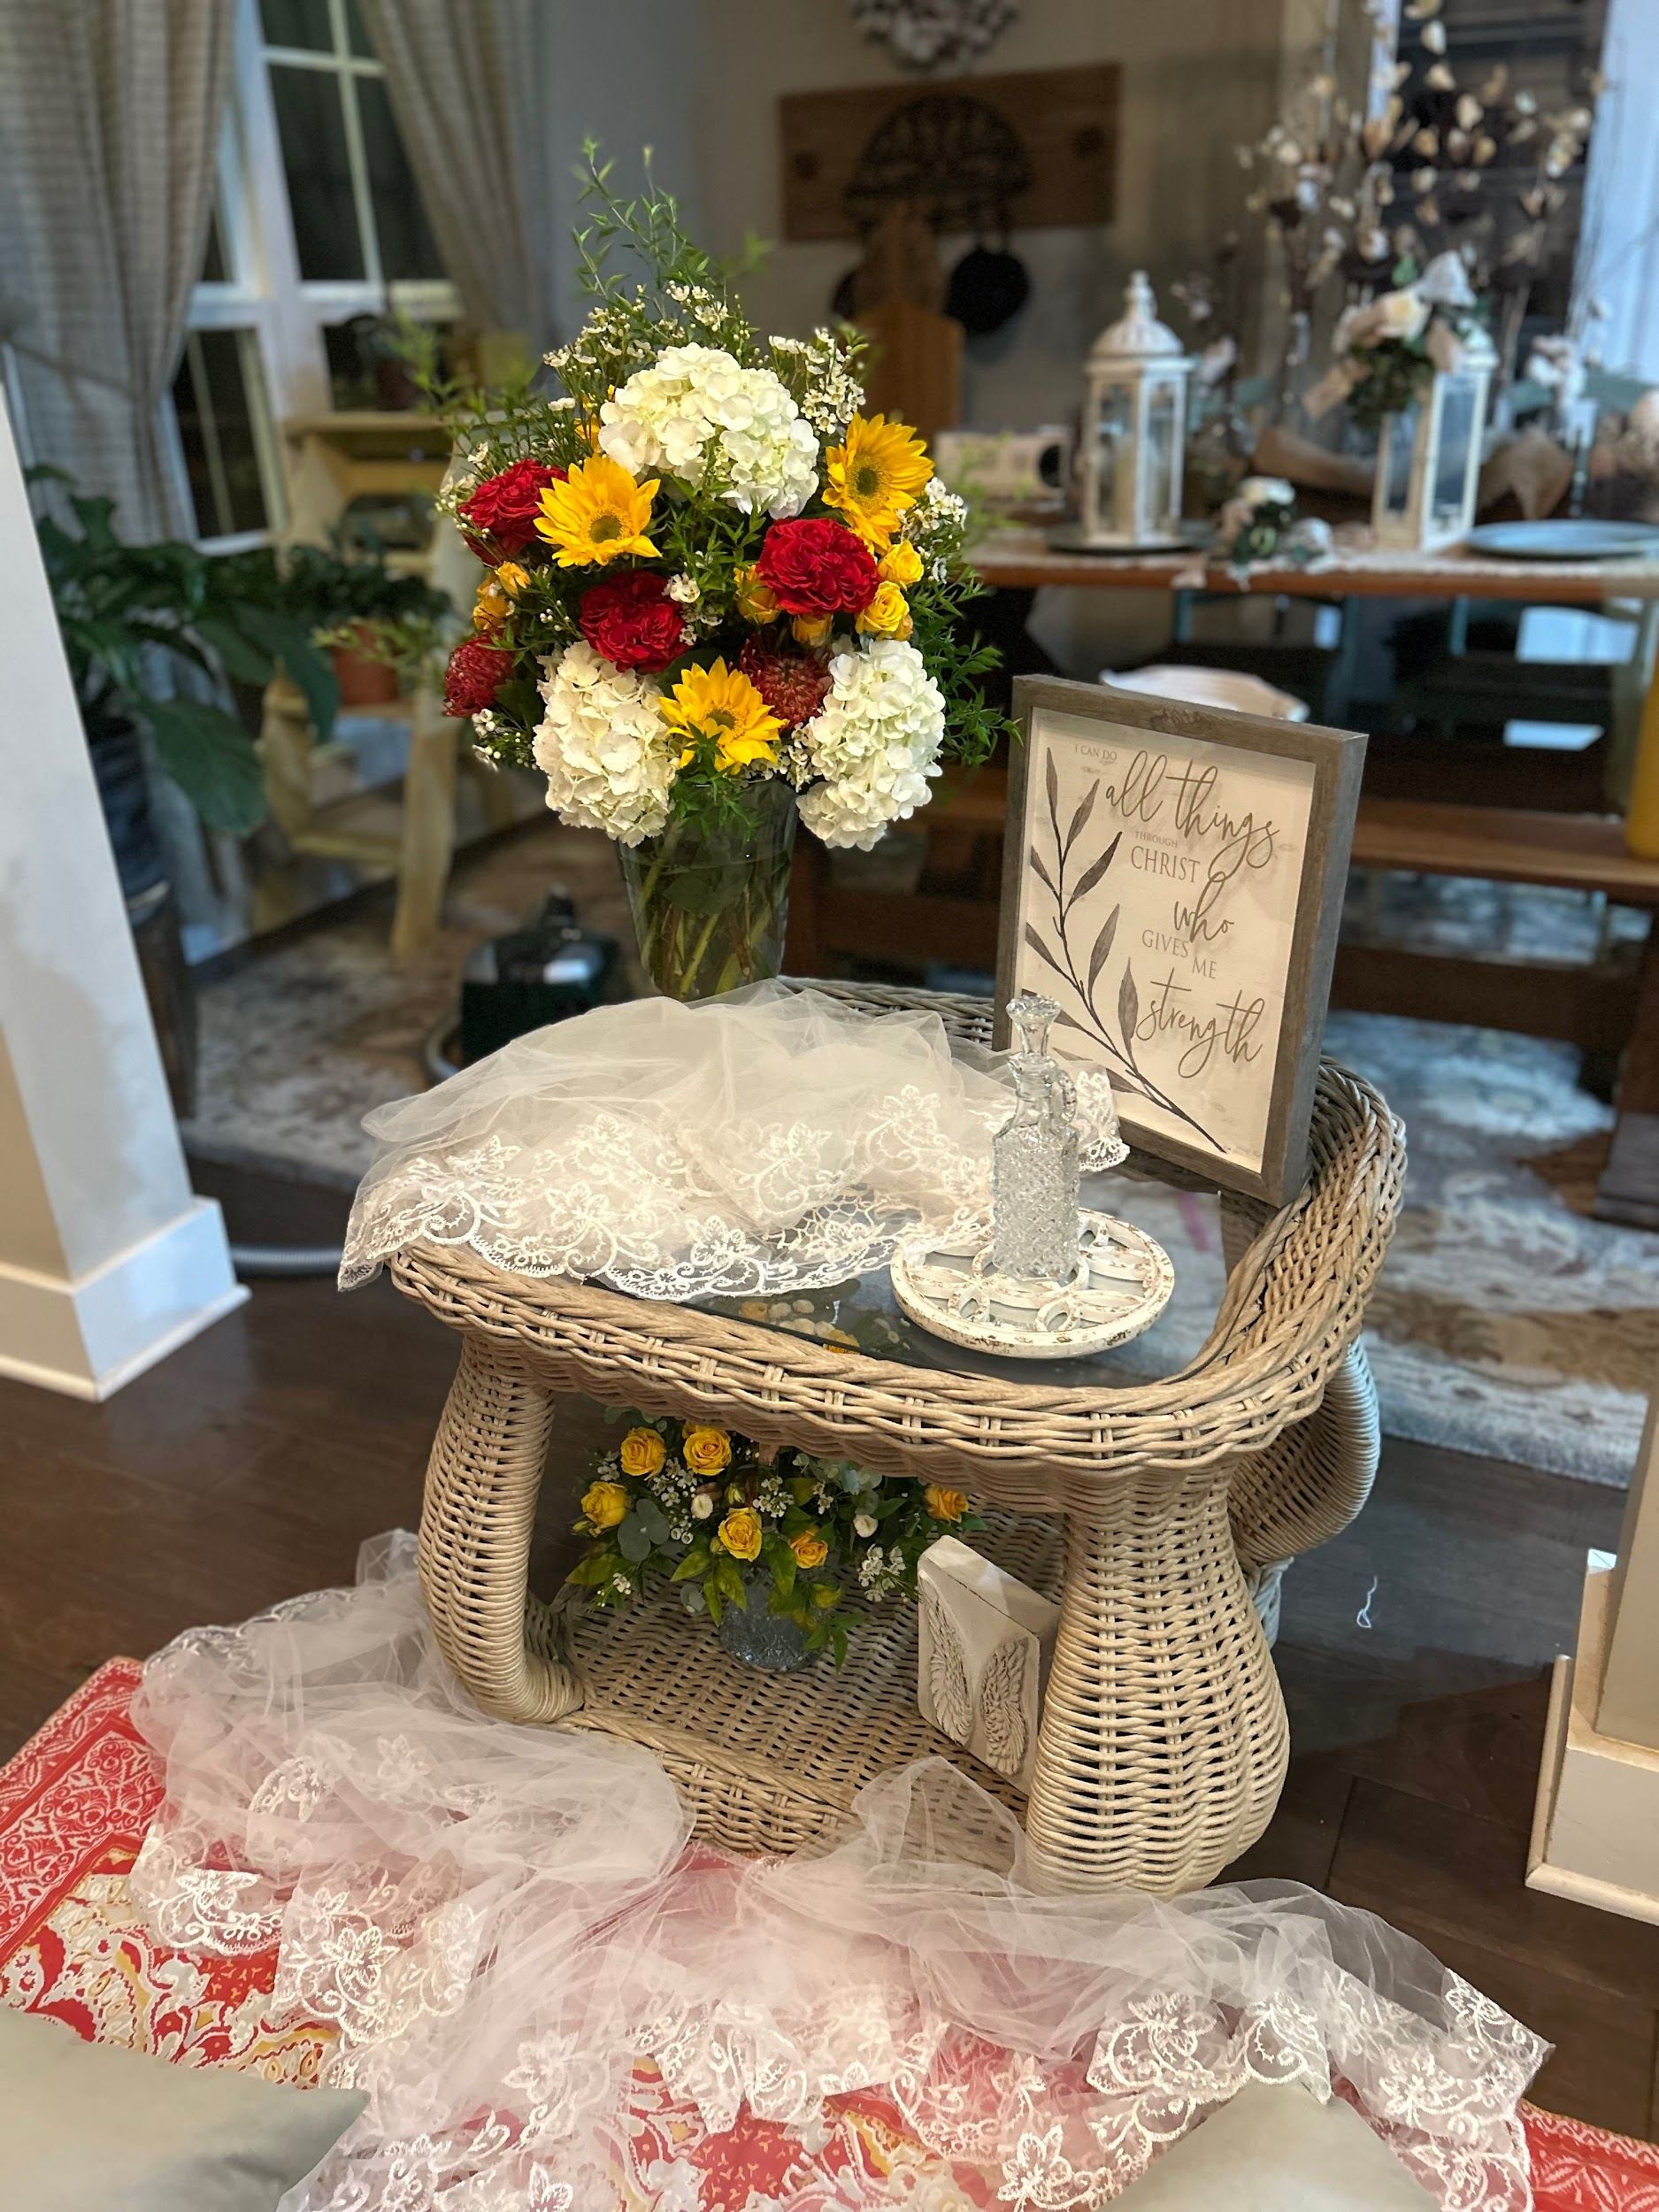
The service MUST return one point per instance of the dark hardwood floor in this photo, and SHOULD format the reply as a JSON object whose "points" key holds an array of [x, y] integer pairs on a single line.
{"points": [[252, 1463]]}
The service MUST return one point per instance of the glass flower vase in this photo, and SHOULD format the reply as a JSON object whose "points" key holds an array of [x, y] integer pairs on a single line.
{"points": [[760, 1638], [710, 897]]}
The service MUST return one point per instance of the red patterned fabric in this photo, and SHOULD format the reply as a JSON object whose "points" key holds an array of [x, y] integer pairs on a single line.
{"points": [[75, 1805], [1577, 2168]]}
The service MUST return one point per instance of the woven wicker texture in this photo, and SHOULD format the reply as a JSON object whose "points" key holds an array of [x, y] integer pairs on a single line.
{"points": [[1163, 1742], [773, 1762]]}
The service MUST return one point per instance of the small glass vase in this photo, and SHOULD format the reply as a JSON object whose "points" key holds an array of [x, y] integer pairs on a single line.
{"points": [[709, 899], [760, 1638]]}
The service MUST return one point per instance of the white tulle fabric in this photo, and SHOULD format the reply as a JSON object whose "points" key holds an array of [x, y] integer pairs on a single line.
{"points": [[769, 1140], [504, 1923]]}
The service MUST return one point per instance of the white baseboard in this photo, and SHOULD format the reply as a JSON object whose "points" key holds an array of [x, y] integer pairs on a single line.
{"points": [[89, 1337], [1596, 1826]]}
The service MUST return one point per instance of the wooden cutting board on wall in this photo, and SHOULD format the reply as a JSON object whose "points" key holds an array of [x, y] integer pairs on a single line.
{"points": [[1065, 120]]}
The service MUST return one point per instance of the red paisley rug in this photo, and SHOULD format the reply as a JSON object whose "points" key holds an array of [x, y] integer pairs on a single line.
{"points": [[75, 1805]]}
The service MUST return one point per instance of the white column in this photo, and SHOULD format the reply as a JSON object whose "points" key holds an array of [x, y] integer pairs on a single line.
{"points": [[107, 1259], [1596, 1834]]}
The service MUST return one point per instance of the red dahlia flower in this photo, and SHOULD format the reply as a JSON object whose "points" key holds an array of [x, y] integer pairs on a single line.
{"points": [[633, 622], [475, 674], [815, 567], [505, 508]]}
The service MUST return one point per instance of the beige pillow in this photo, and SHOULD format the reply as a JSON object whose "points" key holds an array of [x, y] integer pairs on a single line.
{"points": [[86, 2128], [1276, 2148]]}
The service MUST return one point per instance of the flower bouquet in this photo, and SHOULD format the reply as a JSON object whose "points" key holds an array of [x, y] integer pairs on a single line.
{"points": [[716, 595], [1260, 523], [780, 1553], [1385, 353]]}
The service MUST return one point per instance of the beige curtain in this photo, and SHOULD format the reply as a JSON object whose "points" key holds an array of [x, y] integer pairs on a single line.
{"points": [[466, 90], [109, 113]]}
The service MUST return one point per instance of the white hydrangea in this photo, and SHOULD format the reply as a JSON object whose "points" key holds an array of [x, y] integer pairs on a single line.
{"points": [[874, 741], [608, 754], [695, 399]]}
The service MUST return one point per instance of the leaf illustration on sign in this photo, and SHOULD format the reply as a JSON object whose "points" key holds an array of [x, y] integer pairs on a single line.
{"points": [[1086, 807], [1090, 877], [1128, 1004], [1101, 953]]}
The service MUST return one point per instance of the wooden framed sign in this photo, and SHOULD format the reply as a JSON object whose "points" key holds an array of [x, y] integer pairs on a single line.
{"points": [[1174, 879]]}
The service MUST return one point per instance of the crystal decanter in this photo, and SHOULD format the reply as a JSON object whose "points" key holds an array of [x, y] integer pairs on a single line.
{"points": [[1035, 1176]]}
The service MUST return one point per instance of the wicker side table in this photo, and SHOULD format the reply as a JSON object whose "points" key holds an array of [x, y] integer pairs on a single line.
{"points": [[1163, 1742]]}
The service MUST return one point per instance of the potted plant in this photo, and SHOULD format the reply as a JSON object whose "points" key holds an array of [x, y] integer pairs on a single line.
{"points": [[358, 600], [148, 630]]}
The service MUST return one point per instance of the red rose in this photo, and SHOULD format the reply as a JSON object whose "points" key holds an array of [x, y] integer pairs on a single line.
{"points": [[505, 507], [631, 619], [816, 567], [475, 674]]}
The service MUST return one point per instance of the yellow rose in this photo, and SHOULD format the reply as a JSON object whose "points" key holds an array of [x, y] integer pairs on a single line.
{"points": [[739, 1533], [944, 1505], [901, 563], [812, 629], [809, 1548], [755, 599], [513, 579], [705, 1451], [606, 1503], [642, 1452], [492, 606], [888, 615]]}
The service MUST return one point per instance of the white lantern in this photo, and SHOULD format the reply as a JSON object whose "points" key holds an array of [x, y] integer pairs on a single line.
{"points": [[1428, 457], [1134, 431]]}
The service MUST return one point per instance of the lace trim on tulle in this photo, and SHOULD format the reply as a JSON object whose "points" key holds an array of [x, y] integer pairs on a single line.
{"points": [[450, 1937], [616, 1201]]}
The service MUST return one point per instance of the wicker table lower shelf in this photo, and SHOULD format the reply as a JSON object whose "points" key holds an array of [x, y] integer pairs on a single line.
{"points": [[773, 1762]]}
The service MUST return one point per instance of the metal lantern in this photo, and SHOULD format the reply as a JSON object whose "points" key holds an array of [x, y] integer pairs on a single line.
{"points": [[1428, 457], [1134, 430]]}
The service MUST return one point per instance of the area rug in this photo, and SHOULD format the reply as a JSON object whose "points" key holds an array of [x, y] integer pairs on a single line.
{"points": [[1506, 1322], [75, 1806]]}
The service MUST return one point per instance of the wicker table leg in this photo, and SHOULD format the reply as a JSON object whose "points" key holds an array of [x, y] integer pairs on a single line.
{"points": [[1309, 1484], [1164, 1737], [476, 1521]]}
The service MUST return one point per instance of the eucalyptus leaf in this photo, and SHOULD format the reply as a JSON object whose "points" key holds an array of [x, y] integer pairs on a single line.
{"points": [[692, 1598], [634, 1539], [654, 1520]]}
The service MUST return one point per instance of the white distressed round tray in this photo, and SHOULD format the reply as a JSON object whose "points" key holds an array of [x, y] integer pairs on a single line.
{"points": [[1130, 1279]]}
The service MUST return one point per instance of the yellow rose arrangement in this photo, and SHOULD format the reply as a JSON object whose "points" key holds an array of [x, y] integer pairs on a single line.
{"points": [[693, 1508]]}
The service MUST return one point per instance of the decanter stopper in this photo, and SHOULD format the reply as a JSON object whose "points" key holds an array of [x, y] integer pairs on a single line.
{"points": [[1034, 1158]]}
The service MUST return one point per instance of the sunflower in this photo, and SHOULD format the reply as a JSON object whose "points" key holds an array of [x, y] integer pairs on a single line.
{"points": [[596, 514], [876, 475], [719, 707]]}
